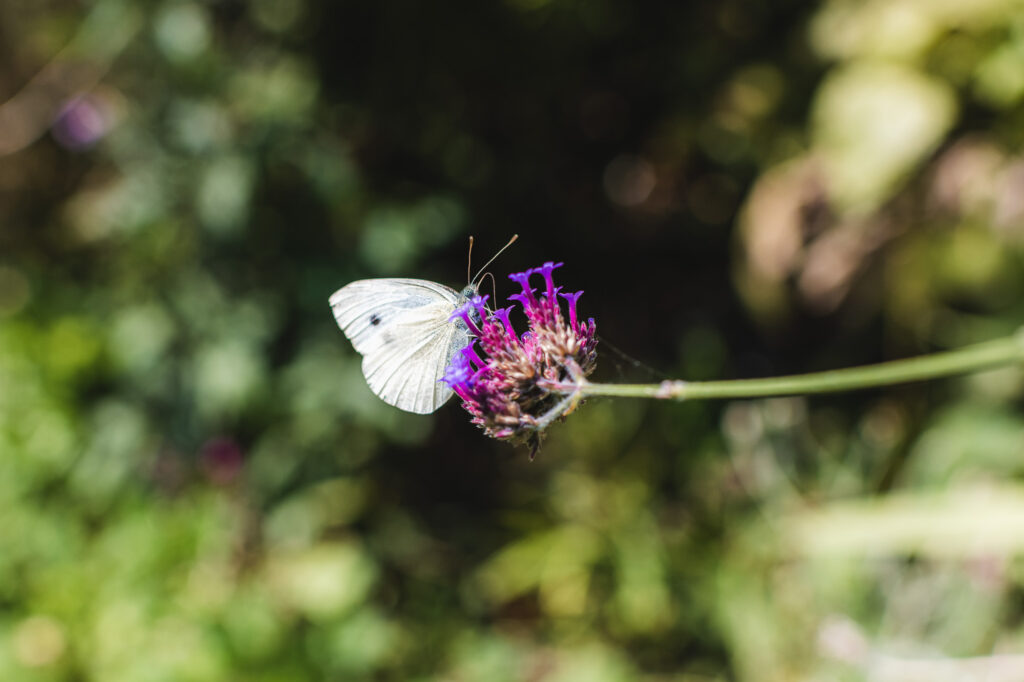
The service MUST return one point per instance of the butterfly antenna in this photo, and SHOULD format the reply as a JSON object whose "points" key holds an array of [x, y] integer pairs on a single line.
{"points": [[469, 261], [500, 251]]}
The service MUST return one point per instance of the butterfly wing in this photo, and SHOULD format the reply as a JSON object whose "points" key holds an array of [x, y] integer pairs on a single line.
{"points": [[402, 330]]}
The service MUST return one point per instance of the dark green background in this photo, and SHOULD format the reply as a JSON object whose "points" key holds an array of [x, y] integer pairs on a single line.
{"points": [[195, 483]]}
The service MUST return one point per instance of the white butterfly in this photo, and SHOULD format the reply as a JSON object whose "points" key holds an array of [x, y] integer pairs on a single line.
{"points": [[401, 327], [403, 330]]}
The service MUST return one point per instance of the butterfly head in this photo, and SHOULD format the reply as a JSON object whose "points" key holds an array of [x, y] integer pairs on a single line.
{"points": [[469, 293]]}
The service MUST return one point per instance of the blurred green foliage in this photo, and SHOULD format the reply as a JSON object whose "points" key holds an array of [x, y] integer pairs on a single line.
{"points": [[195, 483]]}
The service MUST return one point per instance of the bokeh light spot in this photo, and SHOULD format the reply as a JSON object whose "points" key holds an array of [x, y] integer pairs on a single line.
{"points": [[629, 180]]}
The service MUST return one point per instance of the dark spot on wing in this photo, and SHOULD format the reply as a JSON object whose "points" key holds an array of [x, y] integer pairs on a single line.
{"points": [[375, 319]]}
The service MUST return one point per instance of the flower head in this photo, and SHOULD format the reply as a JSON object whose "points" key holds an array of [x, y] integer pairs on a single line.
{"points": [[514, 385]]}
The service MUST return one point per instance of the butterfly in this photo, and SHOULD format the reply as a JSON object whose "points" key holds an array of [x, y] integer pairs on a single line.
{"points": [[404, 330]]}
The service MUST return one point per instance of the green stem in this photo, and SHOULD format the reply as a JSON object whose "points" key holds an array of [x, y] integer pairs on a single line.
{"points": [[1006, 351]]}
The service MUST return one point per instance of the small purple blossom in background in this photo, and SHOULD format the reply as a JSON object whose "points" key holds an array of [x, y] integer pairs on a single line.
{"points": [[221, 459], [84, 120], [505, 380]]}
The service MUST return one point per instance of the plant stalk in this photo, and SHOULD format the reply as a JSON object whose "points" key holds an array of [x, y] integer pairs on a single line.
{"points": [[988, 355]]}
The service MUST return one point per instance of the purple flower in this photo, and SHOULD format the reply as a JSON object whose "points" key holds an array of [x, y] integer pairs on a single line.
{"points": [[508, 386], [83, 121]]}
